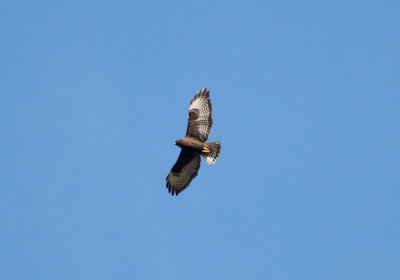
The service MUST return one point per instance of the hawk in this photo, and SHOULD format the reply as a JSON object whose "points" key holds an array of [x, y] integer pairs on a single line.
{"points": [[193, 145]]}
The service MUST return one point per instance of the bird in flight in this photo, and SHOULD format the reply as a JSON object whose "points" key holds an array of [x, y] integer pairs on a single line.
{"points": [[193, 145]]}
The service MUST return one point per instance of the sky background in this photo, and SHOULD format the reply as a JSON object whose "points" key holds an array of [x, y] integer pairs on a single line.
{"points": [[306, 98]]}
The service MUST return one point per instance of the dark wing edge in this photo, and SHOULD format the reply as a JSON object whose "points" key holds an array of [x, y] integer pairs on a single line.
{"points": [[200, 116], [183, 172]]}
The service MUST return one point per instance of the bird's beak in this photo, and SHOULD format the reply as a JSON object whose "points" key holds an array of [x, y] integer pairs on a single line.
{"points": [[174, 143]]}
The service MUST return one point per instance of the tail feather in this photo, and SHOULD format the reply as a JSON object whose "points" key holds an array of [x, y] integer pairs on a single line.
{"points": [[212, 156]]}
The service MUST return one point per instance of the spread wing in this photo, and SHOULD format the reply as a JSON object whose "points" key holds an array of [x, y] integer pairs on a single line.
{"points": [[200, 116], [183, 171]]}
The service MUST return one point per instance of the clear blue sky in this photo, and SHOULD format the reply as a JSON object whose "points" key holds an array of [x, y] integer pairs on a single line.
{"points": [[306, 98]]}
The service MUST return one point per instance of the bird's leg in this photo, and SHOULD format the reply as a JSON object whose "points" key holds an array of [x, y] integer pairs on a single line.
{"points": [[205, 150]]}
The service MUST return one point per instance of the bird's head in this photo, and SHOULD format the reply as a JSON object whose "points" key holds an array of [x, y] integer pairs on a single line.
{"points": [[178, 143]]}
